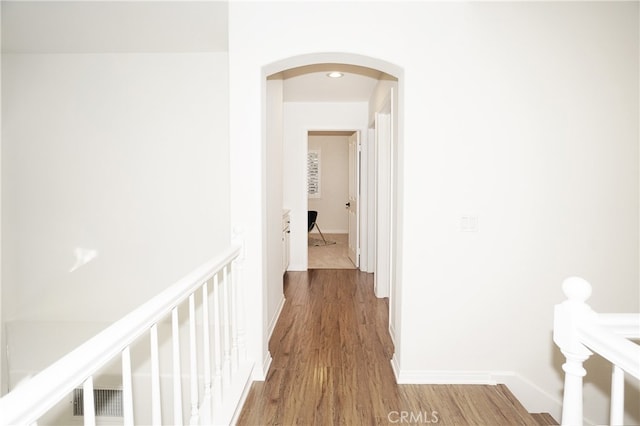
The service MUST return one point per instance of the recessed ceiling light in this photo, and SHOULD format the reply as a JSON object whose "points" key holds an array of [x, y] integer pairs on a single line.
{"points": [[335, 74]]}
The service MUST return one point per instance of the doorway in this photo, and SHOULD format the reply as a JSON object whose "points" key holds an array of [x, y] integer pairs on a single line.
{"points": [[304, 99], [332, 181], [300, 98]]}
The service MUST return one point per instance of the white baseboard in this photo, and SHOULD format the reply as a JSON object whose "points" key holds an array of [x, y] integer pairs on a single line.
{"points": [[243, 397], [392, 334], [534, 399], [439, 377], [260, 374], [233, 400], [274, 319], [267, 361], [272, 326], [293, 267], [395, 367]]}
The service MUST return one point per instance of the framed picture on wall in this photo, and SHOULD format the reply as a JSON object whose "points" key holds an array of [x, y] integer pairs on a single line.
{"points": [[313, 173]]}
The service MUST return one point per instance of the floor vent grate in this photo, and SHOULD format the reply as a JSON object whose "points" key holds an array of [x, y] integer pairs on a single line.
{"points": [[108, 402]]}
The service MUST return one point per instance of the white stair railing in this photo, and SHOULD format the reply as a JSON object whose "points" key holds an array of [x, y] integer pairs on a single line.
{"points": [[206, 394], [579, 332]]}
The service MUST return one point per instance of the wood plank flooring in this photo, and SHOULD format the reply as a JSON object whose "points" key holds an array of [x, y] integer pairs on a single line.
{"points": [[331, 256], [331, 366]]}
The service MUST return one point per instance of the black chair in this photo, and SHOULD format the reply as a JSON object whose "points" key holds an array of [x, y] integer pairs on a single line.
{"points": [[313, 216]]}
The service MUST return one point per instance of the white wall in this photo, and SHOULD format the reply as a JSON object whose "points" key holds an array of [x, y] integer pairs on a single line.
{"points": [[299, 118], [125, 154], [3, 364], [535, 132], [334, 183], [274, 201]]}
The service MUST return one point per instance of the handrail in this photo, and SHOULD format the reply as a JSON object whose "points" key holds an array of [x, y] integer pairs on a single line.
{"points": [[625, 325], [30, 401], [579, 332], [615, 349]]}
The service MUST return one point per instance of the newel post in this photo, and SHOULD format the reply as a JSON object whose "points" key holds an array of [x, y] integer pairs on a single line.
{"points": [[568, 316]]}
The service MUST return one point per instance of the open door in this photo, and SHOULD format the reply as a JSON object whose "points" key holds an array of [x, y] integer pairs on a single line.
{"points": [[354, 198]]}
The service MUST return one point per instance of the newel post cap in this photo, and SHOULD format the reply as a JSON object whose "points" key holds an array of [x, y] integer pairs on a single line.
{"points": [[570, 315], [576, 289]]}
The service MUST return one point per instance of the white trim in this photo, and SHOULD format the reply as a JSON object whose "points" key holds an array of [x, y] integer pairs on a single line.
{"points": [[260, 373], [532, 397], [234, 399], [384, 147], [395, 366], [243, 397], [449, 377], [274, 320], [392, 334], [297, 267]]}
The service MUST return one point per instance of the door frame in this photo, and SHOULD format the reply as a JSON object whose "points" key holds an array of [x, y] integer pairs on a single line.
{"points": [[382, 227], [362, 183], [356, 183], [257, 327]]}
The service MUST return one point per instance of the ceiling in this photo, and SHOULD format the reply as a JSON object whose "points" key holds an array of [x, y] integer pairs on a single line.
{"points": [[114, 26], [161, 26], [311, 84]]}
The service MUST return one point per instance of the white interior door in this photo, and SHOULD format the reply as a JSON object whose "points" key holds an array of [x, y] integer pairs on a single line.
{"points": [[354, 197]]}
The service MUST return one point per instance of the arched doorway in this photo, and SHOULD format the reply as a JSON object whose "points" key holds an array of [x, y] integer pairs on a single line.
{"points": [[283, 188]]}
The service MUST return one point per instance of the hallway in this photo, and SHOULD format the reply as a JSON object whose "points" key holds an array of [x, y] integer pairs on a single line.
{"points": [[331, 365]]}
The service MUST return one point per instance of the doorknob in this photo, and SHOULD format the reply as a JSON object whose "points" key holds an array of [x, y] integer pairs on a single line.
{"points": [[348, 204]]}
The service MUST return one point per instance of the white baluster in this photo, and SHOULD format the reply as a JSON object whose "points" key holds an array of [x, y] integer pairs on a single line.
{"points": [[156, 409], [234, 320], [226, 367], [238, 264], [177, 373], [88, 405], [617, 396], [206, 351], [217, 344], [127, 387], [572, 399], [568, 315], [195, 415]]}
